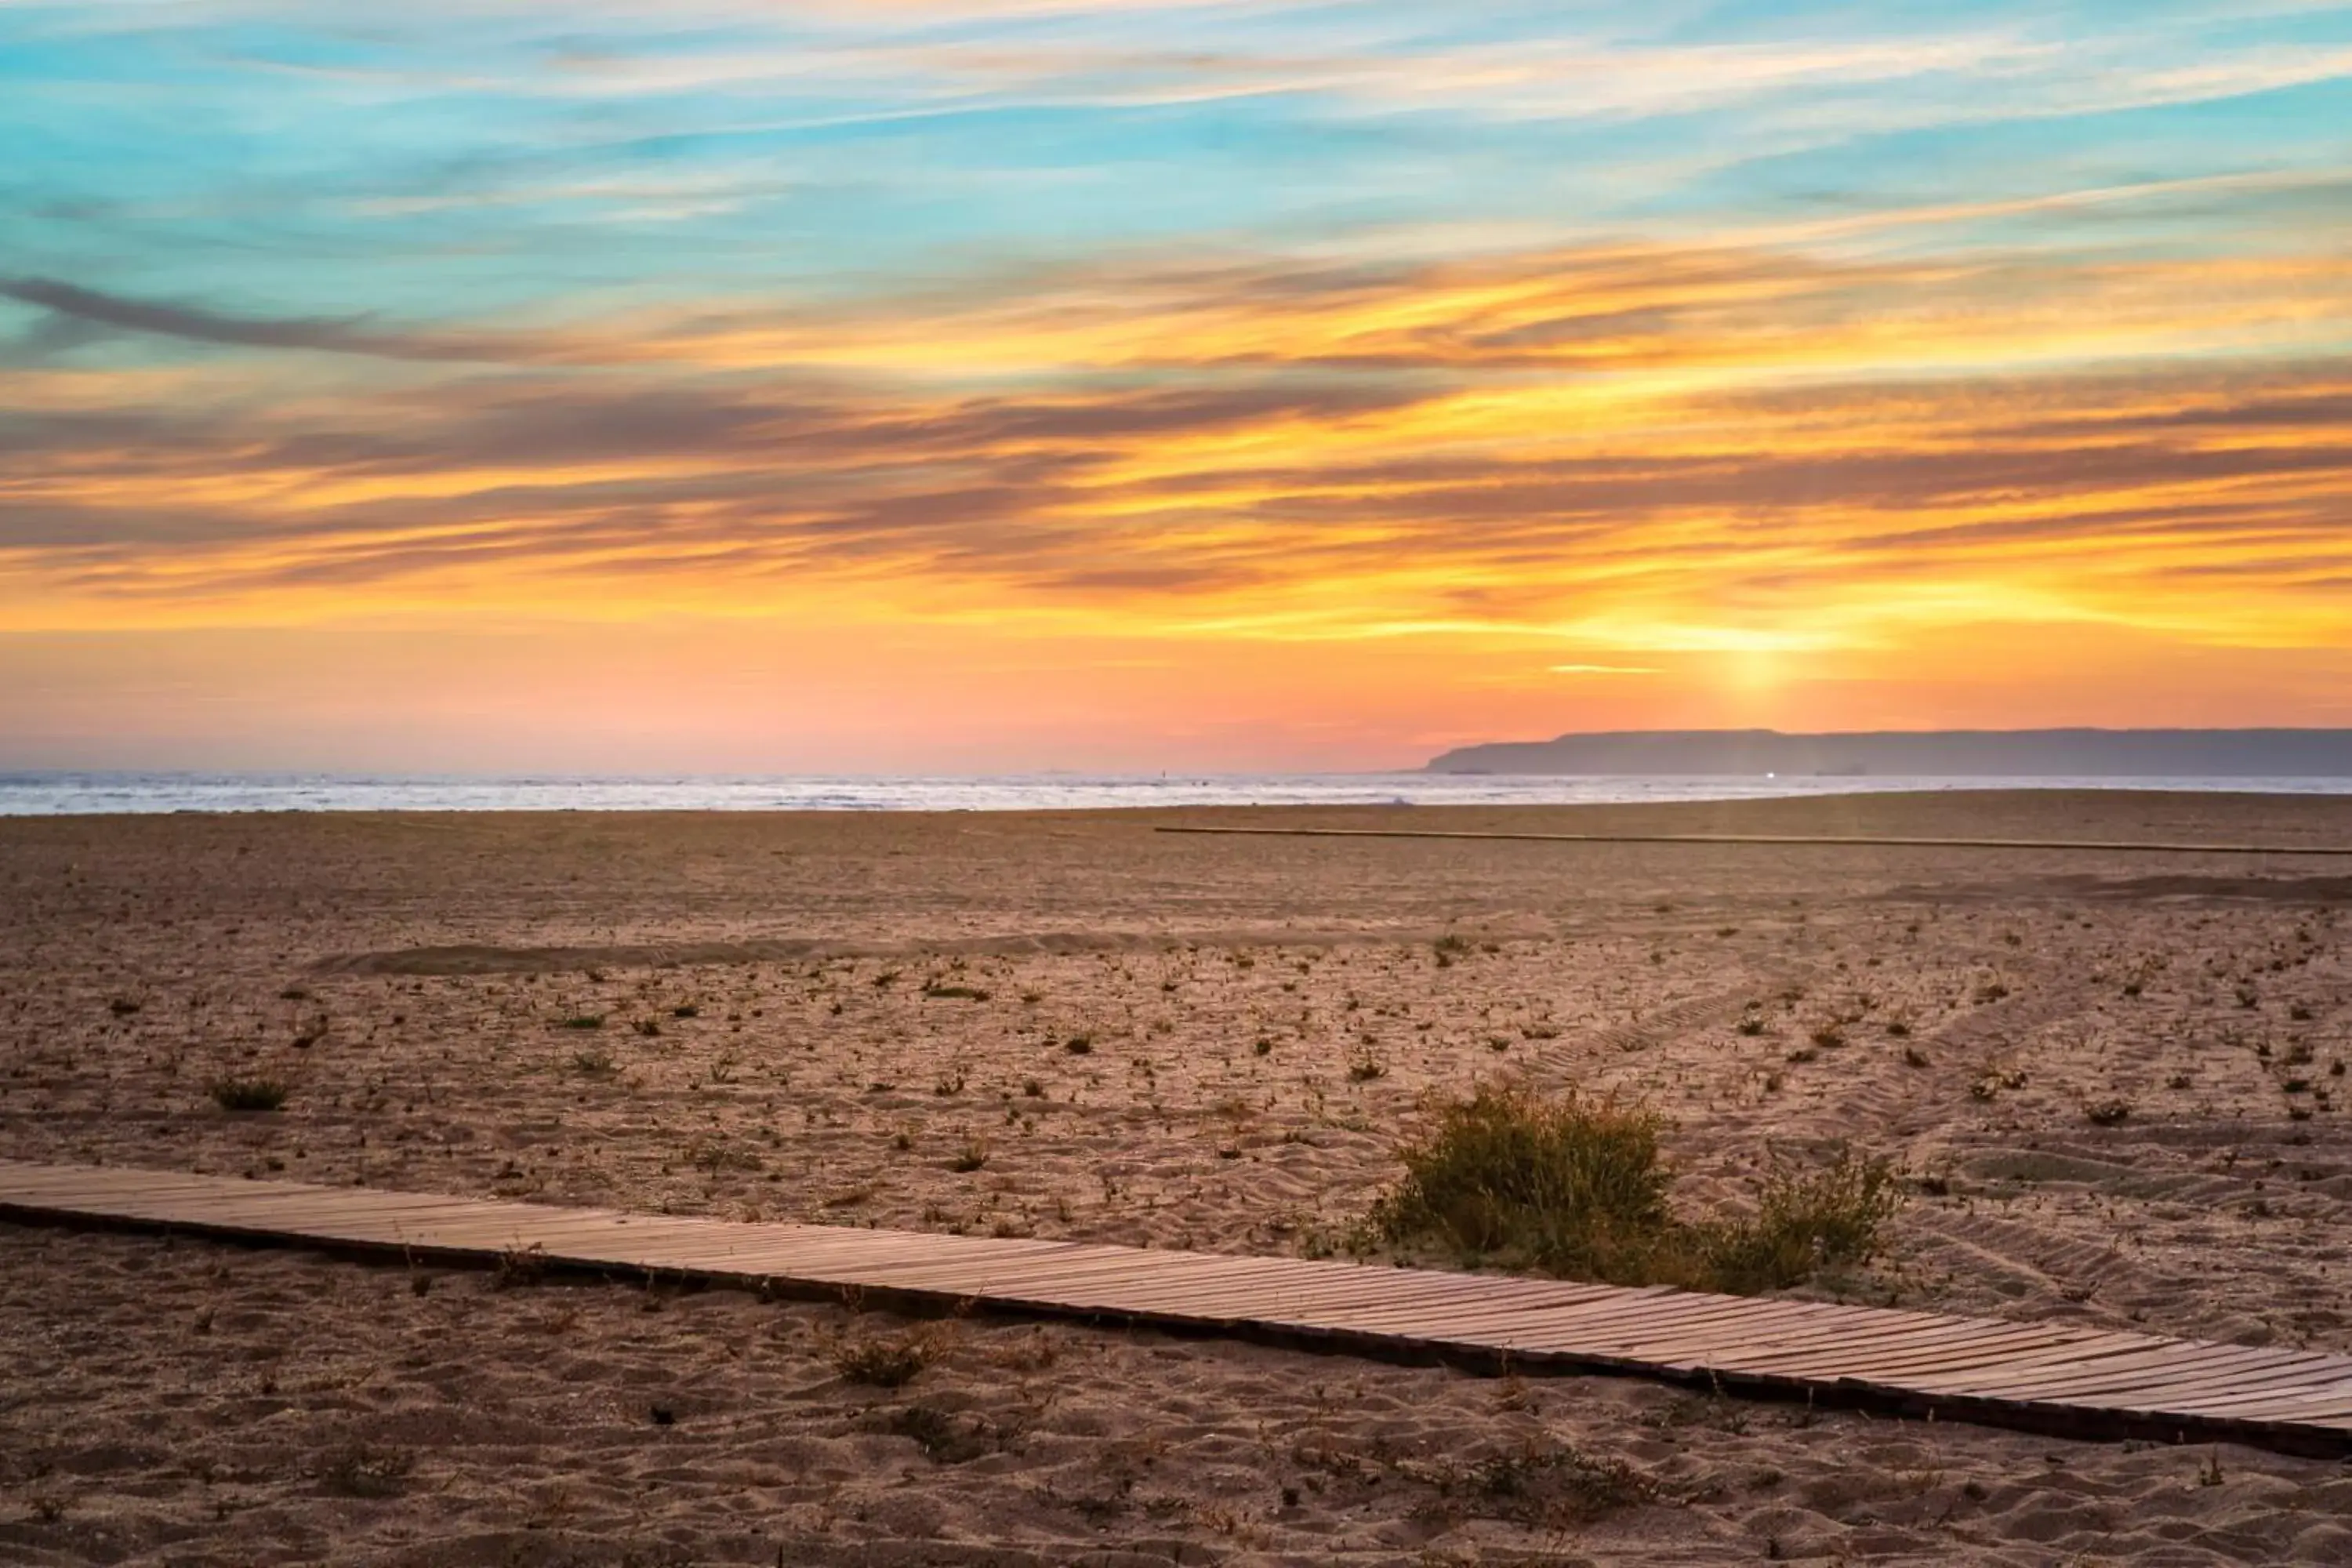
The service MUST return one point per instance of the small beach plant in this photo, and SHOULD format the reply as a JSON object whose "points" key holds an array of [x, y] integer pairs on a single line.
{"points": [[1578, 1187], [234, 1093]]}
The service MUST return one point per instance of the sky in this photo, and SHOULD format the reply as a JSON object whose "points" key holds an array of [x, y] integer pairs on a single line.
{"points": [[989, 385]]}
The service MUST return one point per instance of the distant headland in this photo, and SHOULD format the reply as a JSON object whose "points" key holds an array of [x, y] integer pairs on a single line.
{"points": [[1925, 753]]}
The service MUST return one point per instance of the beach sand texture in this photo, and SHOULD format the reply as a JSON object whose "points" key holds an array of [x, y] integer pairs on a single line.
{"points": [[1068, 1026]]}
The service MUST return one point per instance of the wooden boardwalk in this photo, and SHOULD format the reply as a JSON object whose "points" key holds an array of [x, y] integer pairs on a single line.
{"points": [[2071, 1380]]}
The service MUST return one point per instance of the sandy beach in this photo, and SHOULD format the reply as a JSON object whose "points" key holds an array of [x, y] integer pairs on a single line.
{"points": [[2116, 1084]]}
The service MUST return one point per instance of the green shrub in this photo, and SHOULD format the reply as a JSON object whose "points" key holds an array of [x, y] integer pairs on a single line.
{"points": [[249, 1093], [889, 1362], [1571, 1186], [1577, 1187], [1805, 1221]]}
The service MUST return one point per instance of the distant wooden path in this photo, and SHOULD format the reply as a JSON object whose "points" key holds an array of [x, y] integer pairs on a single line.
{"points": [[2071, 1380], [2084, 845]]}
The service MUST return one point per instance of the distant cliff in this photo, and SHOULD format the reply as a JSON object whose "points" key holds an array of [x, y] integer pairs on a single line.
{"points": [[1942, 754]]}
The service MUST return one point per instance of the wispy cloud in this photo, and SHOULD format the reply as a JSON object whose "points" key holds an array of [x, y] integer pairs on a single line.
{"points": [[1758, 455], [353, 336], [1601, 344]]}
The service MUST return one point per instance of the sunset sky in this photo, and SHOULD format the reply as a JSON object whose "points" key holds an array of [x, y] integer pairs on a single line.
{"points": [[1006, 384]]}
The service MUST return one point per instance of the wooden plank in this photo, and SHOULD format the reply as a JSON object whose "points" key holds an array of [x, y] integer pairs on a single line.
{"points": [[1382, 1287], [1164, 1273], [2285, 1393], [2077, 1378], [1072, 1282], [1348, 1301], [2334, 1385], [421, 1216], [1664, 1316], [2065, 1365], [2182, 1370], [1205, 1294], [914, 1253], [1452, 1316], [1654, 1343], [1833, 1360], [2022, 1346], [216, 1193], [69, 1185], [918, 1253], [1565, 1328], [946, 1276], [859, 1250], [862, 1249], [2175, 1375], [1475, 1316], [1733, 1320], [1042, 1270], [2327, 1409], [1849, 1343], [2282, 1406], [1719, 1341], [465, 1230], [2278, 1393], [1325, 1297]]}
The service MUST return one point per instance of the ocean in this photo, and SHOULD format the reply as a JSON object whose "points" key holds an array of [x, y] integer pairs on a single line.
{"points": [[54, 793]]}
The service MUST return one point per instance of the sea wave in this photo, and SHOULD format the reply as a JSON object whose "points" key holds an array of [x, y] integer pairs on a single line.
{"points": [[54, 793]]}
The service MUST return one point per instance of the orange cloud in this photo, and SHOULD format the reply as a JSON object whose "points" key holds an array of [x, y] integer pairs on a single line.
{"points": [[1600, 457]]}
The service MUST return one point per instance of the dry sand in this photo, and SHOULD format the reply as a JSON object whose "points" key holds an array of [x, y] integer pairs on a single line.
{"points": [[821, 1017]]}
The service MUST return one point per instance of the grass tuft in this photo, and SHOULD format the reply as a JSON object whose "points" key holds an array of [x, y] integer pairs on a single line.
{"points": [[358, 1470], [1806, 1221], [249, 1093], [944, 1439], [1557, 1486], [519, 1267], [1575, 1187], [884, 1362], [1572, 1185]]}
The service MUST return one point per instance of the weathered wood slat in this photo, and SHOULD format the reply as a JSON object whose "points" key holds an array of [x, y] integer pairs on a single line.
{"points": [[1721, 1320], [1846, 1347], [2263, 1399], [1159, 1290], [2059, 1377], [2215, 1370], [2004, 1349], [2323, 1416], [937, 1274]]}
